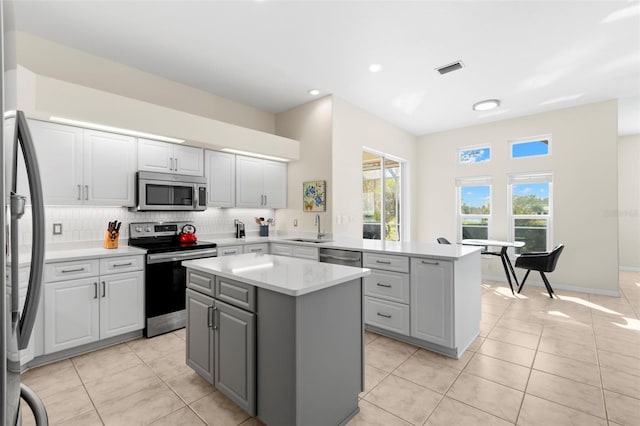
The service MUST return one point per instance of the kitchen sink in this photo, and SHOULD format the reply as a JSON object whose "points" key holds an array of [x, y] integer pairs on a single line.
{"points": [[309, 240]]}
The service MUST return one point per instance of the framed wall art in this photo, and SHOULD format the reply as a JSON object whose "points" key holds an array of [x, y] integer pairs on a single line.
{"points": [[314, 196]]}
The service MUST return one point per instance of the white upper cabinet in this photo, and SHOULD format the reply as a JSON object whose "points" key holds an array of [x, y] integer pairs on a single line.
{"points": [[59, 152], [109, 168], [220, 171], [80, 166], [156, 156], [260, 183]]}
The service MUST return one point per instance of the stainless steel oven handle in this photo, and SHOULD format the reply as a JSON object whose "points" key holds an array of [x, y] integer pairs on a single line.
{"points": [[183, 255]]}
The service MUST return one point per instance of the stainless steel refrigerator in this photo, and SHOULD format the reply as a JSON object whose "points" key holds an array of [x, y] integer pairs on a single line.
{"points": [[17, 321]]}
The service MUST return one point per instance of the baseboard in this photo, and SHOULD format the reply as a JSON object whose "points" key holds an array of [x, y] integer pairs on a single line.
{"points": [[556, 286], [630, 268]]}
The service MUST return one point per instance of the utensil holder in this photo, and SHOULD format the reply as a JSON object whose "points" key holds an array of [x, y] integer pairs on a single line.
{"points": [[111, 240], [264, 230]]}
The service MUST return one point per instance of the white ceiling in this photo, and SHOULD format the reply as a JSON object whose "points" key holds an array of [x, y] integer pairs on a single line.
{"points": [[532, 55]]}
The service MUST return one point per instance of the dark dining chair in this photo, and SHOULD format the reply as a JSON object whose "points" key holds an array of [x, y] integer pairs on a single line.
{"points": [[541, 262], [443, 240]]}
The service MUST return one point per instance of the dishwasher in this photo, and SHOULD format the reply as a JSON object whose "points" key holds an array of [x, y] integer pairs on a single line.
{"points": [[341, 257]]}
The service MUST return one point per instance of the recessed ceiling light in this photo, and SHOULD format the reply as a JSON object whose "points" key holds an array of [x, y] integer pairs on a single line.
{"points": [[375, 67], [314, 92], [486, 105]]}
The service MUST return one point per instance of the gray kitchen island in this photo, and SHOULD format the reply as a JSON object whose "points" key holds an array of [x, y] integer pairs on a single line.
{"points": [[281, 337]]}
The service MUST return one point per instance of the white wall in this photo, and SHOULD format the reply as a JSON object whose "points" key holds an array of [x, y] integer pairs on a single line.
{"points": [[584, 163], [354, 129], [60, 62], [629, 201], [42, 97], [311, 125]]}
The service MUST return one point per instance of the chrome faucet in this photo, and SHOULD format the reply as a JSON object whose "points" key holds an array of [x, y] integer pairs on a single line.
{"points": [[317, 223]]}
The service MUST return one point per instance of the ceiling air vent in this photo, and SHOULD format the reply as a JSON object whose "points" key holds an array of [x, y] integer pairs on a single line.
{"points": [[450, 67]]}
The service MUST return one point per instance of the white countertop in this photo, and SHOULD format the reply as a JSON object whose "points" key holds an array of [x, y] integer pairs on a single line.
{"points": [[63, 252], [417, 249], [286, 275]]}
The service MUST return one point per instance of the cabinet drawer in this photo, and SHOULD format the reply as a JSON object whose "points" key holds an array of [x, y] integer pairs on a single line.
{"points": [[305, 252], [71, 270], [236, 293], [115, 265], [386, 285], [386, 262], [257, 248], [388, 315], [229, 250], [202, 283], [281, 249]]}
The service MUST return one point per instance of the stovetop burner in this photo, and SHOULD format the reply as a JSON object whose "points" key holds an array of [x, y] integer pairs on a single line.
{"points": [[160, 237]]}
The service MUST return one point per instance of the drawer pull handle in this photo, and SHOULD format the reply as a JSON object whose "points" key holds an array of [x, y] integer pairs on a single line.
{"points": [[118, 265], [384, 315], [213, 317], [209, 323], [95, 290], [424, 262], [66, 271], [104, 289], [253, 250], [384, 285], [229, 252], [384, 262]]}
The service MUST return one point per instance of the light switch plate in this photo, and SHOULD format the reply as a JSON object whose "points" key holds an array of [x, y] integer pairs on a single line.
{"points": [[57, 229]]}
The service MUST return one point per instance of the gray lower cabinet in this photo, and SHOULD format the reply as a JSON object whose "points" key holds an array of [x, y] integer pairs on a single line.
{"points": [[235, 355], [200, 338], [221, 347]]}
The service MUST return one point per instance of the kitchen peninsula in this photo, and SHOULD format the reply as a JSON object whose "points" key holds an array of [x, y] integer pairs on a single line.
{"points": [[282, 337]]}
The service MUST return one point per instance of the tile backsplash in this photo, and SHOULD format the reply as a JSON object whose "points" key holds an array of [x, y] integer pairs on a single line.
{"points": [[89, 223]]}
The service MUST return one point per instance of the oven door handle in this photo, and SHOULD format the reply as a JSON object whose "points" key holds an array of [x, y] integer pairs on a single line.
{"points": [[177, 256]]}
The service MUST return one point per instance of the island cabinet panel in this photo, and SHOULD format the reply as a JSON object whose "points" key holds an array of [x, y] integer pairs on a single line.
{"points": [[200, 339], [432, 301], [221, 337], [235, 355], [310, 355]]}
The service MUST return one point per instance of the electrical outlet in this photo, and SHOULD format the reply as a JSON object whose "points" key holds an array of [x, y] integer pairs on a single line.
{"points": [[57, 229]]}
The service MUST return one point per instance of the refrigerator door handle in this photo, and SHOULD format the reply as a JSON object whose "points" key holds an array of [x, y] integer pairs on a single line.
{"points": [[36, 405], [28, 318]]}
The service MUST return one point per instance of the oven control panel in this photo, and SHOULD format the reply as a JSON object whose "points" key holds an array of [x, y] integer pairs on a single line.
{"points": [[155, 229]]}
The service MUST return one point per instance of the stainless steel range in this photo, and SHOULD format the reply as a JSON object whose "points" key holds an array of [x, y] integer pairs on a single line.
{"points": [[165, 278]]}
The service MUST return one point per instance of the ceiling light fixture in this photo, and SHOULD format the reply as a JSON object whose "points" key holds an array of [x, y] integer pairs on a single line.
{"points": [[486, 105], [314, 92], [254, 154], [105, 128], [375, 67]]}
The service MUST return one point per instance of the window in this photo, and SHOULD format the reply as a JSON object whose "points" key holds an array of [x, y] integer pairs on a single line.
{"points": [[533, 147], [474, 155], [531, 211], [381, 197], [474, 207]]}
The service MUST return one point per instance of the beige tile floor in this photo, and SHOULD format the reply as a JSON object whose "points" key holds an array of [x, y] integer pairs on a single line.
{"points": [[568, 361]]}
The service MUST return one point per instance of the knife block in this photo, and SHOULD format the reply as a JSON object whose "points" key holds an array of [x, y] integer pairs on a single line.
{"points": [[109, 242]]}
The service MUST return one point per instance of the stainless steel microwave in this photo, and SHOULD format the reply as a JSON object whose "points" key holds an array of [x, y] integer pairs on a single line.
{"points": [[170, 192]]}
